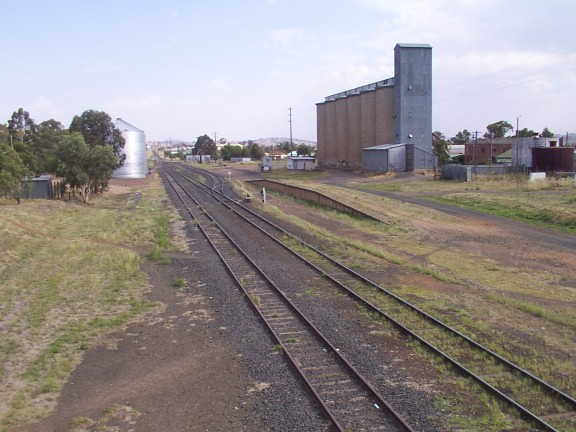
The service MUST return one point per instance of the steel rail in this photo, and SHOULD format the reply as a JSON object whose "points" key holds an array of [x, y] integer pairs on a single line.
{"points": [[292, 306], [523, 410]]}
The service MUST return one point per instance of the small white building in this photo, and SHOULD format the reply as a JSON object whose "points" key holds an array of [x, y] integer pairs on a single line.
{"points": [[303, 163], [198, 158]]}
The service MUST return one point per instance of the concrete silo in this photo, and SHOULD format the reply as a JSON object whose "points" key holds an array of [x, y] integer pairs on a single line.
{"points": [[135, 165]]}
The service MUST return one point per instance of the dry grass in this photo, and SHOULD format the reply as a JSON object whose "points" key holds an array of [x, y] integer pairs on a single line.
{"points": [[68, 275]]}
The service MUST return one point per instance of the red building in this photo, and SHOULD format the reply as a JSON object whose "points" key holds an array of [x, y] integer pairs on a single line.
{"points": [[484, 151]]}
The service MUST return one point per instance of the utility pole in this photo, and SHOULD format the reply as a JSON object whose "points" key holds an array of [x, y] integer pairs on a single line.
{"points": [[491, 148], [474, 150], [517, 144], [290, 120]]}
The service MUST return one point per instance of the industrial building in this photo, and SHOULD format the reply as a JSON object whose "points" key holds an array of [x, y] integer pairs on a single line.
{"points": [[383, 126], [135, 165], [542, 154]]}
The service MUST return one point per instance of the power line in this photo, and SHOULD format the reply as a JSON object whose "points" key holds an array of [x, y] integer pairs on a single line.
{"points": [[512, 82]]}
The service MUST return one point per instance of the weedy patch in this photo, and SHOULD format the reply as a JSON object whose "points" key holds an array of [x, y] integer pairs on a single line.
{"points": [[116, 415]]}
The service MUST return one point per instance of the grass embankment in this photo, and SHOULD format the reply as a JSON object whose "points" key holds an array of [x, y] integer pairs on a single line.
{"points": [[69, 274]]}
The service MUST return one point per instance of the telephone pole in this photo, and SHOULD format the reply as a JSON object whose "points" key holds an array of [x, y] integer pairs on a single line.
{"points": [[290, 120], [474, 151]]}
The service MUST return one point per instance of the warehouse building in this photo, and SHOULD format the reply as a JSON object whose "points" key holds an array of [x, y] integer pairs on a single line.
{"points": [[392, 118]]}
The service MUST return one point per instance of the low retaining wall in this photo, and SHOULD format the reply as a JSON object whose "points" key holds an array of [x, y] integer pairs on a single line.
{"points": [[311, 196], [465, 172]]}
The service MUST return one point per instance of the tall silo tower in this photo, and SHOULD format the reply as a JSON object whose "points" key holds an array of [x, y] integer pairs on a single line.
{"points": [[413, 95], [135, 165]]}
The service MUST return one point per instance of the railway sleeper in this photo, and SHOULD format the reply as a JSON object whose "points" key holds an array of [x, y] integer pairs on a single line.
{"points": [[560, 416]]}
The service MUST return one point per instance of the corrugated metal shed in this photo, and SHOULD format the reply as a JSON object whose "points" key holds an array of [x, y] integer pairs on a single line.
{"points": [[384, 158], [39, 188]]}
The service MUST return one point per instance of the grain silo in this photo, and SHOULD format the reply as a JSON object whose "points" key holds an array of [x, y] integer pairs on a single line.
{"points": [[135, 165], [379, 116]]}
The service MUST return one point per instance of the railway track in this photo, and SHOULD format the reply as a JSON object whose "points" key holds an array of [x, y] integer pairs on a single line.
{"points": [[545, 406], [348, 400]]}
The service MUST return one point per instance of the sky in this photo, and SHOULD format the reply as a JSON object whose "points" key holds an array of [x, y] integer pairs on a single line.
{"points": [[179, 69]]}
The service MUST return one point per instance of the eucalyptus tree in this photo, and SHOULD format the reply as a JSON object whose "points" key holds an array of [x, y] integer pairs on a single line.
{"points": [[13, 173], [98, 129], [498, 129], [84, 167], [441, 147]]}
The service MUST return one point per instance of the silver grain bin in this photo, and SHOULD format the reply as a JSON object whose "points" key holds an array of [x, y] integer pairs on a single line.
{"points": [[135, 165]]}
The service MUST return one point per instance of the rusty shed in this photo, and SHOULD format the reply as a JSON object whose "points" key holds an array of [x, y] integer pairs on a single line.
{"points": [[553, 159]]}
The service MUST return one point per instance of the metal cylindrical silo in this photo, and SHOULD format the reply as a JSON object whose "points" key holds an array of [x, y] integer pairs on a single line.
{"points": [[135, 165]]}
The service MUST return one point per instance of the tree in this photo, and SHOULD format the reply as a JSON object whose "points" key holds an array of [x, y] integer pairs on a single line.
{"points": [[252, 150], [12, 173], [526, 133], [21, 127], [49, 134], [498, 129], [22, 131], [462, 138], [287, 147], [97, 129], [229, 151], [256, 152], [205, 146], [84, 167], [546, 133], [4, 135], [440, 147], [304, 150], [99, 163]]}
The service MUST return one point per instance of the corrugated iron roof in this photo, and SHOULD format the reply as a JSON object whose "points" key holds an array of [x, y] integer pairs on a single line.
{"points": [[384, 146]]}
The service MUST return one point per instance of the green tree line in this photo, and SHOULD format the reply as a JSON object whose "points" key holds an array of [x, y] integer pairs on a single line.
{"points": [[85, 154]]}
